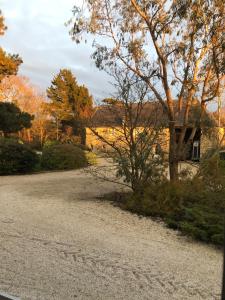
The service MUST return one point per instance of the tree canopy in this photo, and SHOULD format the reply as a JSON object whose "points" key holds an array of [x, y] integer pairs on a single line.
{"points": [[175, 47], [9, 63], [12, 119], [68, 99]]}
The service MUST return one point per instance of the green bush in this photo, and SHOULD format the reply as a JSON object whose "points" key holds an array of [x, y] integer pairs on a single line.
{"points": [[222, 155], [16, 158], [91, 157], [34, 145], [158, 200], [63, 157], [50, 143], [83, 147], [194, 206], [201, 222]]}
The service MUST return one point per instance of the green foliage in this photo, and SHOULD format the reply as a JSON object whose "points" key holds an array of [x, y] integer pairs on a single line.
{"points": [[63, 157], [12, 119], [34, 144], [158, 200], [91, 158], [138, 165], [71, 104], [200, 221], [50, 143], [194, 206], [222, 156], [83, 147], [70, 101], [16, 158], [212, 172]]}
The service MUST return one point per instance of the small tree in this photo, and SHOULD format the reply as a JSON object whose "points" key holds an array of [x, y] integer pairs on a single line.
{"points": [[12, 119], [71, 104], [134, 132]]}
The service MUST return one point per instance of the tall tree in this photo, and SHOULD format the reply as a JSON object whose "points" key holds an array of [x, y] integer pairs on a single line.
{"points": [[9, 63], [175, 47], [70, 102]]}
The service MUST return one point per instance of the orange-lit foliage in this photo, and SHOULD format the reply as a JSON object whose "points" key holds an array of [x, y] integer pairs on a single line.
{"points": [[9, 63], [17, 89]]}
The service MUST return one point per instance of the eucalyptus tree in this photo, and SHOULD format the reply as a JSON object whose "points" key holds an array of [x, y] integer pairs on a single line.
{"points": [[176, 47]]}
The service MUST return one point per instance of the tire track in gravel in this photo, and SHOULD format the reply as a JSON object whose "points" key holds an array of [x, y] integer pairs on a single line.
{"points": [[145, 277], [112, 268], [58, 242]]}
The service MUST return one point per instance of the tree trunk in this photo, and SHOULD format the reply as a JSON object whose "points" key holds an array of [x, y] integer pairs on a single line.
{"points": [[57, 129], [173, 159], [41, 137], [29, 135]]}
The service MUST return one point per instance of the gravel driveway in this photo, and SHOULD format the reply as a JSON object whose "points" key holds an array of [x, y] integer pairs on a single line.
{"points": [[58, 242]]}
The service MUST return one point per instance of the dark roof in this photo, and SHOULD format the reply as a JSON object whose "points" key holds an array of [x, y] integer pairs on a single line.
{"points": [[114, 115], [150, 113]]}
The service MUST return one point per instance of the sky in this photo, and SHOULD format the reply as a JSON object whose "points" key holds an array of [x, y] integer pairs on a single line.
{"points": [[36, 31]]}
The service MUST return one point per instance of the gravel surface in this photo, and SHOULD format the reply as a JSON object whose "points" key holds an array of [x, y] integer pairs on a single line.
{"points": [[57, 241]]}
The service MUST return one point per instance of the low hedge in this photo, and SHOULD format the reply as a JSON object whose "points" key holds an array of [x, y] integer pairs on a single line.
{"points": [[185, 206], [16, 158], [63, 157], [194, 206]]}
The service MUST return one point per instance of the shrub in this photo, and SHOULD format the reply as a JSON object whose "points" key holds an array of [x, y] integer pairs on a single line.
{"points": [[91, 157], [222, 155], [158, 200], [63, 157], [34, 145], [194, 206], [83, 147], [50, 143], [16, 158], [201, 222]]}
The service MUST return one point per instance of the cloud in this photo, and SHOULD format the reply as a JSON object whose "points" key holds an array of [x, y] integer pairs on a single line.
{"points": [[36, 31]]}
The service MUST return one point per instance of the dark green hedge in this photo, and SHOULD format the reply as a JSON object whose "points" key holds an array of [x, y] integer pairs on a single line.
{"points": [[194, 206], [63, 157], [185, 206], [16, 158]]}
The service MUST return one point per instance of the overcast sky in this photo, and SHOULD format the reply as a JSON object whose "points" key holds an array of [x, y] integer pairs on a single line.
{"points": [[37, 33]]}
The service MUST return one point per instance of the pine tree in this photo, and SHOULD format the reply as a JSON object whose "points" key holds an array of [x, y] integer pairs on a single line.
{"points": [[71, 104], [12, 119]]}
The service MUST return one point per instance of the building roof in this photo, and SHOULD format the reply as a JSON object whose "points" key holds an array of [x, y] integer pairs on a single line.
{"points": [[149, 114]]}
